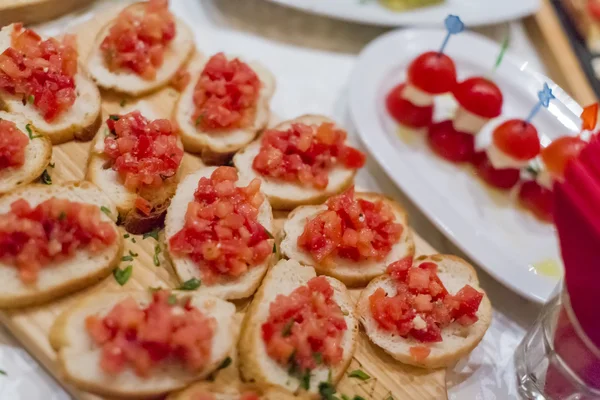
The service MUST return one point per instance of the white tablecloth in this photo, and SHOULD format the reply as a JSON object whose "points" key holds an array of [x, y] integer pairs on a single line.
{"points": [[312, 58]]}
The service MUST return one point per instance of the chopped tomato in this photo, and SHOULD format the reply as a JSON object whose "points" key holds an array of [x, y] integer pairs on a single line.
{"points": [[52, 231], [166, 330], [42, 72], [450, 144], [226, 94], [557, 154], [479, 96], [351, 228], [143, 205], [433, 72], [503, 178], [405, 112], [137, 42], [537, 199], [421, 306], [305, 328], [221, 233], [419, 353], [305, 154], [181, 79], [12, 145], [143, 152]]}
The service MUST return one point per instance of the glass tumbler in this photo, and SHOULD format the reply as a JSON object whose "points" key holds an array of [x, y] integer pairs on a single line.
{"points": [[556, 360]]}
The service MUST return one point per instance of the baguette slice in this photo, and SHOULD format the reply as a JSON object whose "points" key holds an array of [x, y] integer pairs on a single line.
{"points": [[187, 269], [288, 195], [256, 365], [176, 54], [353, 274], [111, 183], [79, 358], [458, 341], [38, 154], [68, 276], [218, 147], [81, 121], [229, 392]]}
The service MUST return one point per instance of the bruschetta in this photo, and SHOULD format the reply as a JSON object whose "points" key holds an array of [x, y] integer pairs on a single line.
{"points": [[224, 107], [24, 153], [303, 161], [55, 240], [43, 81], [286, 342], [428, 313], [136, 158], [177, 338], [219, 391], [352, 237], [219, 232], [141, 49]]}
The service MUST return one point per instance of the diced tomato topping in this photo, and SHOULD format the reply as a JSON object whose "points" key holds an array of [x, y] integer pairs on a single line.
{"points": [[504, 178], [181, 79], [593, 7], [167, 329], [538, 200], [351, 228], [405, 112], [226, 94], [305, 154], [419, 353], [42, 72], [557, 154], [517, 138], [450, 144], [34, 237], [422, 306], [143, 205], [12, 145], [221, 233], [137, 41], [143, 152], [305, 328]]}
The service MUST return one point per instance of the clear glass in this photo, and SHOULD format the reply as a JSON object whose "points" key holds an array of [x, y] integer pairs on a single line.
{"points": [[556, 360]]}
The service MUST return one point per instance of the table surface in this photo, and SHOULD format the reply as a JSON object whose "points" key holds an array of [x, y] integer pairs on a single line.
{"points": [[312, 58]]}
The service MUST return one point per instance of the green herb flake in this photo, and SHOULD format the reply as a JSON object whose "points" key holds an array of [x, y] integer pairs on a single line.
{"points": [[327, 391], [357, 397], [360, 374], [126, 236], [30, 99], [287, 329], [46, 178], [274, 248], [153, 234], [30, 132], [154, 288], [172, 300], [226, 363], [133, 240], [345, 397], [132, 254], [62, 216], [114, 117], [123, 275], [105, 210], [123, 102], [318, 357], [52, 165], [126, 258], [269, 234], [199, 119], [191, 284], [305, 380], [157, 251]]}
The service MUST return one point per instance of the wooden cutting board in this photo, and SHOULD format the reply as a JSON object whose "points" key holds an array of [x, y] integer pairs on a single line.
{"points": [[31, 326], [35, 11]]}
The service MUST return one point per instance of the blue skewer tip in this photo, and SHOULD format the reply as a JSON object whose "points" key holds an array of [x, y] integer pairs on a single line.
{"points": [[454, 25], [545, 95]]}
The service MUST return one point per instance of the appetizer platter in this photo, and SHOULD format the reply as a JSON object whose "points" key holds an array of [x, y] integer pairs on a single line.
{"points": [[460, 126], [186, 244]]}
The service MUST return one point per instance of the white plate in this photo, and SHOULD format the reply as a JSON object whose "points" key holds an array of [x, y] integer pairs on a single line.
{"points": [[472, 12], [503, 239]]}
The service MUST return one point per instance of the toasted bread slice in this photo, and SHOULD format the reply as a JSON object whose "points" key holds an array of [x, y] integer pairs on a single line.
{"points": [[288, 195], [229, 392], [187, 269], [81, 121], [38, 154], [176, 54], [111, 183], [353, 274], [217, 148], [458, 341], [64, 277], [256, 365], [79, 358]]}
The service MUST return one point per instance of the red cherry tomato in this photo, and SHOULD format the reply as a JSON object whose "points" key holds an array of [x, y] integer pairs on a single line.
{"points": [[517, 138], [593, 7], [505, 178], [558, 153], [405, 112], [433, 73], [449, 143], [537, 199], [479, 96]]}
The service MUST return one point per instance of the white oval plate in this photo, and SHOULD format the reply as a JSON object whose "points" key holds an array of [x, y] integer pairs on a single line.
{"points": [[503, 239], [472, 12]]}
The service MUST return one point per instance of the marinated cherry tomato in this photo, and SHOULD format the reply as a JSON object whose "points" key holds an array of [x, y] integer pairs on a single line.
{"points": [[479, 96], [405, 112], [226, 94], [451, 144], [42, 72], [305, 328], [557, 154], [433, 72], [137, 41], [518, 139], [537, 199], [12, 145], [143, 338], [504, 178], [52, 231], [306, 154], [593, 7]]}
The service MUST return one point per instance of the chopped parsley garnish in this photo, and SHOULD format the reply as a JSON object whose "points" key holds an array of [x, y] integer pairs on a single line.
{"points": [[126, 236], [327, 391], [269, 234], [126, 258], [133, 240], [287, 329], [153, 234], [123, 102], [191, 284], [30, 132], [305, 380], [114, 117], [318, 357], [199, 119], [52, 165], [31, 99], [132, 254], [123, 275], [157, 251], [360, 374], [226, 363], [105, 210], [274, 248], [46, 178], [172, 300]]}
